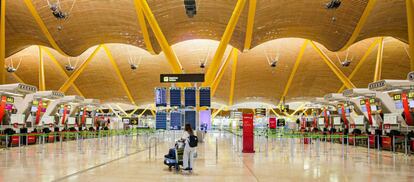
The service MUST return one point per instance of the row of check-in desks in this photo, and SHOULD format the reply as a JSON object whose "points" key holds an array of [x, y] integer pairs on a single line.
{"points": [[23, 109], [386, 105]]}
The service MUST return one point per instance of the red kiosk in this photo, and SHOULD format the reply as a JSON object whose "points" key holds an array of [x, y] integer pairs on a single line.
{"points": [[272, 123], [248, 134]]}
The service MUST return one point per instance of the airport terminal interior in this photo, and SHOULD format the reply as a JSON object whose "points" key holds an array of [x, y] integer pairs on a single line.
{"points": [[207, 90]]}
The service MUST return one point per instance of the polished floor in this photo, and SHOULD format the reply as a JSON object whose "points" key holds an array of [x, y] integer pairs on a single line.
{"points": [[126, 159]]}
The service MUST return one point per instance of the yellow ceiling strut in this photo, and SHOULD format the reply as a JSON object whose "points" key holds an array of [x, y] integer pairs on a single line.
{"points": [[220, 74], [218, 111], [235, 56], [294, 69], [142, 113], [42, 85], [122, 110], [274, 112], [143, 26], [133, 111], [360, 24], [166, 48], [225, 39], [118, 73], [43, 27], [361, 61], [333, 67], [60, 68], [410, 21], [3, 41], [378, 64], [78, 71], [113, 111], [250, 25], [153, 109], [299, 108]]}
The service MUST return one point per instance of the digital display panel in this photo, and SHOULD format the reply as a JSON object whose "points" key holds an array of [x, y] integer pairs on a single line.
{"points": [[411, 103], [175, 97], [205, 97], [399, 105], [364, 108], [190, 118], [175, 122], [190, 97], [205, 120], [411, 95], [374, 108], [161, 97], [161, 120]]}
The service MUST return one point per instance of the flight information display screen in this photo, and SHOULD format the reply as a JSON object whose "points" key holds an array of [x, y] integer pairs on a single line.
{"points": [[205, 97], [175, 97], [161, 120], [190, 97], [190, 118], [161, 97], [399, 104], [175, 123]]}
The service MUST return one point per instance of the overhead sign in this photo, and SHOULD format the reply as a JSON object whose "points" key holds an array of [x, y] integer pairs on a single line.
{"points": [[176, 78]]}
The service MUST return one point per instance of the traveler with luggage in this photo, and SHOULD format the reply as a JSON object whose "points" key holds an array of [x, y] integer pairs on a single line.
{"points": [[191, 142]]}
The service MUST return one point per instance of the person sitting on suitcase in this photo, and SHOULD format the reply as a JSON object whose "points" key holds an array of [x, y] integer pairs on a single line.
{"points": [[191, 142]]}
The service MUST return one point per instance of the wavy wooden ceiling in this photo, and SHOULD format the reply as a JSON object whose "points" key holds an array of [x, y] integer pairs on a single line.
{"points": [[95, 22]]}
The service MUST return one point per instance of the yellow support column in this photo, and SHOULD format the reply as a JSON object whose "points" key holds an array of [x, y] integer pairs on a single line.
{"points": [[410, 21], [166, 48], [358, 66], [118, 72], [43, 27], [360, 24], [333, 67], [225, 39], [143, 26], [3, 41], [250, 25], [143, 111], [61, 69], [378, 64], [235, 56], [295, 68], [78, 71], [220, 74], [42, 85]]}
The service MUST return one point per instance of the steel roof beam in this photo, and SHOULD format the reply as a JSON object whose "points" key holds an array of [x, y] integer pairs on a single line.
{"points": [[250, 25], [333, 67], [360, 63], [61, 70], [143, 26], [225, 39], [118, 73], [360, 24], [43, 27], [378, 63], [410, 21], [235, 56], [78, 71]]}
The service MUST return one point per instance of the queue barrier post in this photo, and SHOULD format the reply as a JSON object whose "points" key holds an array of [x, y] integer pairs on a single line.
{"points": [[393, 144], [7, 141], [153, 138]]}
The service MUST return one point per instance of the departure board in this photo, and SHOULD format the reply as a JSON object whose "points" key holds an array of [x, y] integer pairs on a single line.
{"points": [[161, 120], [161, 97], [190, 118], [205, 97], [175, 97], [175, 123], [190, 97]]}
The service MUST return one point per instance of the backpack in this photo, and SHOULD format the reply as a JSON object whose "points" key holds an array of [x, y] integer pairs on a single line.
{"points": [[193, 141]]}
